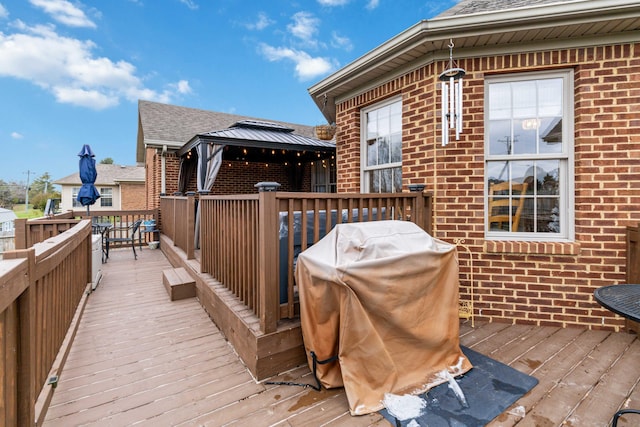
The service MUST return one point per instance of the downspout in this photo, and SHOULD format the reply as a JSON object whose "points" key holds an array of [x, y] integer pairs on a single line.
{"points": [[163, 171]]}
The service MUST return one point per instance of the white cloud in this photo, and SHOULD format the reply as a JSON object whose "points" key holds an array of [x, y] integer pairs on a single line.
{"points": [[68, 69], [3, 12], [306, 66], [332, 3], [16, 135], [373, 4], [340, 42], [190, 4], [261, 23], [64, 12], [304, 26], [182, 87]]}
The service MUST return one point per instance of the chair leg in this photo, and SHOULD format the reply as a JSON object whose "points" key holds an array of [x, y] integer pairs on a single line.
{"points": [[133, 245], [621, 412]]}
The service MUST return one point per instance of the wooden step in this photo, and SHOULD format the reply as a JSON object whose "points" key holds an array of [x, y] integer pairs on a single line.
{"points": [[179, 283]]}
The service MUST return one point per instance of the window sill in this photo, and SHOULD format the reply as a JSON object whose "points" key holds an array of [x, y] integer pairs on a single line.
{"points": [[527, 247]]}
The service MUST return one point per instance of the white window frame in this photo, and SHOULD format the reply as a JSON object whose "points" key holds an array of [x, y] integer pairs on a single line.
{"points": [[74, 197], [565, 157], [104, 197], [364, 169]]}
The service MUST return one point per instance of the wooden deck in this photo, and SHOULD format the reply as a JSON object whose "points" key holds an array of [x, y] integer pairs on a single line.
{"points": [[140, 359]]}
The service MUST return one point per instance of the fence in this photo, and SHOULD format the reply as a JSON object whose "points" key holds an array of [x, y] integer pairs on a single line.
{"points": [[41, 289], [250, 242]]}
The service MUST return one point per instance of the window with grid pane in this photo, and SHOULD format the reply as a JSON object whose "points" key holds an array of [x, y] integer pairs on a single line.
{"points": [[106, 197], [74, 197], [382, 148], [528, 156]]}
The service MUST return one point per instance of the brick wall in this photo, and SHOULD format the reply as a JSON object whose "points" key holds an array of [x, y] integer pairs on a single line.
{"points": [[523, 282], [132, 196]]}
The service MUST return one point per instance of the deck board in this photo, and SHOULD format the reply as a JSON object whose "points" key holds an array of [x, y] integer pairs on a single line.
{"points": [[141, 359]]}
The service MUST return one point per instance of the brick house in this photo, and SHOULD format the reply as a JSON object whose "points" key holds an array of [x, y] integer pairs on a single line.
{"points": [[550, 99], [170, 139], [120, 188]]}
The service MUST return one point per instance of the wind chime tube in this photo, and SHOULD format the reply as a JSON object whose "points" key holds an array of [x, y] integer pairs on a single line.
{"points": [[459, 110], [452, 101], [445, 124]]}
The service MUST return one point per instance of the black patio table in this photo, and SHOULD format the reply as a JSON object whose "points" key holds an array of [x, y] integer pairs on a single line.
{"points": [[625, 301], [621, 299]]}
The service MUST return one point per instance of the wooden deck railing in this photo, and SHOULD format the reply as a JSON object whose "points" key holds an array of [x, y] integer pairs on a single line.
{"points": [[178, 221], [247, 246], [32, 231], [40, 291]]}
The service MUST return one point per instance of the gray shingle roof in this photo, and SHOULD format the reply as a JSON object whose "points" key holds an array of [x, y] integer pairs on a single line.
{"points": [[108, 175], [172, 125], [469, 7]]}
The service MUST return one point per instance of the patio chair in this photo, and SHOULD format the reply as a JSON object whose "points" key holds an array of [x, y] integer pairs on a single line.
{"points": [[507, 208], [130, 238]]}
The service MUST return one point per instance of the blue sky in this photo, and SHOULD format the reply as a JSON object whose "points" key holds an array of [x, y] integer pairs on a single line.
{"points": [[71, 72]]}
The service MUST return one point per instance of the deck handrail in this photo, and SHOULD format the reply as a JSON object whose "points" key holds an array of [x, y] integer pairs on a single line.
{"points": [[40, 291], [242, 239]]}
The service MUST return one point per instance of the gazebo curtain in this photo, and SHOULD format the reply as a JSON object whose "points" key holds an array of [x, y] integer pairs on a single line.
{"points": [[186, 171], [209, 161]]}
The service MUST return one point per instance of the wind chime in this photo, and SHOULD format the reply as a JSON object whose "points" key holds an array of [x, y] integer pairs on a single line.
{"points": [[451, 88]]}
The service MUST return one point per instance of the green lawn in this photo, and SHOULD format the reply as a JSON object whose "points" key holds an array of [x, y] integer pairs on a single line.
{"points": [[20, 212]]}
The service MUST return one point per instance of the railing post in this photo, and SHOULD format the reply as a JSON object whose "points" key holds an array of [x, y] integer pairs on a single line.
{"points": [[20, 227], [191, 225], [419, 205], [267, 258]]}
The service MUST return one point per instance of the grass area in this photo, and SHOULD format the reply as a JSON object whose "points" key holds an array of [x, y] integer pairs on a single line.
{"points": [[21, 212]]}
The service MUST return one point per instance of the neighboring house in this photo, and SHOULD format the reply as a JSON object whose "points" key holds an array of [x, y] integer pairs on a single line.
{"points": [[120, 188], [6, 219], [551, 99], [173, 139]]}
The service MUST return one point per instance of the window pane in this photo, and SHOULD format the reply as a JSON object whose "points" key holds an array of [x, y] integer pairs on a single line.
{"points": [[548, 215], [548, 178], [524, 99], [497, 172], [384, 156], [550, 135], [397, 180], [372, 125], [550, 97], [396, 148], [372, 152], [500, 137], [525, 136], [500, 101], [383, 121], [395, 117]]}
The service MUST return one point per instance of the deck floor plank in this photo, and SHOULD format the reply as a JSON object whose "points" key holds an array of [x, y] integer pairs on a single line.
{"points": [[141, 359]]}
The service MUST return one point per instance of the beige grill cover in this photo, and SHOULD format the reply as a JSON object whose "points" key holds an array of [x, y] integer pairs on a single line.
{"points": [[383, 296]]}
